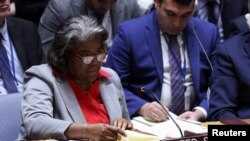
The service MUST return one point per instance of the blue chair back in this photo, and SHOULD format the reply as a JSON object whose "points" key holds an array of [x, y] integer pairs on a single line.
{"points": [[10, 116]]}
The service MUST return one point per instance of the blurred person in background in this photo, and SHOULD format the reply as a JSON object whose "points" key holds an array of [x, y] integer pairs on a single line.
{"points": [[20, 48], [221, 13], [108, 13]]}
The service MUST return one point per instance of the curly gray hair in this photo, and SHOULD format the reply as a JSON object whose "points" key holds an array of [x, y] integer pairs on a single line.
{"points": [[71, 33]]}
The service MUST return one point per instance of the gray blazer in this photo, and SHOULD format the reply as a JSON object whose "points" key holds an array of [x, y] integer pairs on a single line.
{"points": [[59, 10], [49, 105]]}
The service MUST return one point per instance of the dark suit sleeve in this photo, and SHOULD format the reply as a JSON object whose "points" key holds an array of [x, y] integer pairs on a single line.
{"points": [[53, 16], [38, 57], [224, 87], [232, 9], [238, 25], [26, 41]]}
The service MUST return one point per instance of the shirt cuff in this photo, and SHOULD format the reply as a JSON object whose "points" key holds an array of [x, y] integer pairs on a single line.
{"points": [[202, 110], [247, 16]]}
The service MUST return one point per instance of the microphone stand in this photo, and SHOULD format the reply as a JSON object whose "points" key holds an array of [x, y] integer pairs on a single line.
{"points": [[158, 101]]}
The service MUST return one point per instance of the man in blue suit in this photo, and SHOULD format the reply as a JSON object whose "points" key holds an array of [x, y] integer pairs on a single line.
{"points": [[230, 82], [140, 55]]}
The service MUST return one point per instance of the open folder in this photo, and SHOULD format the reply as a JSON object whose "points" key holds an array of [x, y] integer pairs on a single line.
{"points": [[162, 130]]}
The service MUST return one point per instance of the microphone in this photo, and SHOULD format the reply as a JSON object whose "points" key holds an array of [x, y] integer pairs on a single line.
{"points": [[143, 90]]}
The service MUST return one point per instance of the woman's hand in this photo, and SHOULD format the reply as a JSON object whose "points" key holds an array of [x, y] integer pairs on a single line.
{"points": [[123, 124], [103, 132]]}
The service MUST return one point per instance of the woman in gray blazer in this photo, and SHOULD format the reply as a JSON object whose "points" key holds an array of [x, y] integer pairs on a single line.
{"points": [[73, 97]]}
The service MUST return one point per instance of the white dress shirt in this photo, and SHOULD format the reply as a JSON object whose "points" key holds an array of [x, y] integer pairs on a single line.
{"points": [[166, 86]]}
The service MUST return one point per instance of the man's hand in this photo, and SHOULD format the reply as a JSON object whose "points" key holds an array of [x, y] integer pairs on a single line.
{"points": [[196, 115], [153, 112]]}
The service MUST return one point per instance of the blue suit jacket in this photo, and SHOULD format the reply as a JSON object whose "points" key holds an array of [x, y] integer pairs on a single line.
{"points": [[136, 56], [230, 83]]}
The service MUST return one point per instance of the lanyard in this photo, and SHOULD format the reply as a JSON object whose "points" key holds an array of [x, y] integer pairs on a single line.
{"points": [[183, 70], [12, 61]]}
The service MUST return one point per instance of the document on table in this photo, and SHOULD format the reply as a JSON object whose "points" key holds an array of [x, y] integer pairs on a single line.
{"points": [[137, 136], [163, 130]]}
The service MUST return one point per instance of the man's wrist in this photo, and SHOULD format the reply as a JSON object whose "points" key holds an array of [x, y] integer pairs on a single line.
{"points": [[200, 112], [141, 111]]}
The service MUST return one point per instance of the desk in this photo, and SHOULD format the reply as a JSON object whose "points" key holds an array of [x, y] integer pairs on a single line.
{"points": [[227, 122], [205, 124], [246, 121]]}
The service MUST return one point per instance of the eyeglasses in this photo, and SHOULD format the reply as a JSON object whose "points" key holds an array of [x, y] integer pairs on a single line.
{"points": [[89, 59]]}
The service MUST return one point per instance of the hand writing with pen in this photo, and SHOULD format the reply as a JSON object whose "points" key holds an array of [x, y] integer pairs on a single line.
{"points": [[101, 132]]}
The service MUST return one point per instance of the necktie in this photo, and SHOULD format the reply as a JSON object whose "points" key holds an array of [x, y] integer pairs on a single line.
{"points": [[7, 77], [177, 86], [212, 15]]}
